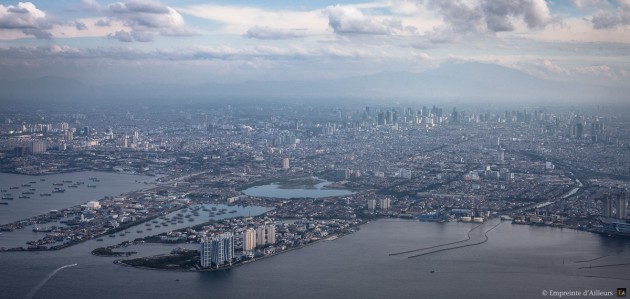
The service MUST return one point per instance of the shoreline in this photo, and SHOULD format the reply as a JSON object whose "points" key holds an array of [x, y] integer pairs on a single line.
{"points": [[199, 269]]}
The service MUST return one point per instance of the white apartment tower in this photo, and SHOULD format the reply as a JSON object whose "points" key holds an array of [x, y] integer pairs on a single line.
{"points": [[249, 242]]}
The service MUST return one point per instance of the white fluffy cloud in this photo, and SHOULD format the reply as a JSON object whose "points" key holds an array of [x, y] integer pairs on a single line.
{"points": [[27, 18], [146, 18], [350, 20], [489, 16]]}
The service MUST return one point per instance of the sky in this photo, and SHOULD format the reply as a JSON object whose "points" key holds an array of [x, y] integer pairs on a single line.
{"points": [[194, 42]]}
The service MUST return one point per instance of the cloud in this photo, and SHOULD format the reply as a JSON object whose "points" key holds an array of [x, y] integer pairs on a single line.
{"points": [[350, 20], [263, 32], [459, 16], [227, 53], [547, 68], [498, 14], [122, 36], [146, 18], [127, 37], [619, 17], [90, 5], [423, 56], [238, 19], [103, 23], [80, 25], [26, 17], [490, 16]]}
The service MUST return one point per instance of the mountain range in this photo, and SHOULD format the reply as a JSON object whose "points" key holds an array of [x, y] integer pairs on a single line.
{"points": [[460, 81]]}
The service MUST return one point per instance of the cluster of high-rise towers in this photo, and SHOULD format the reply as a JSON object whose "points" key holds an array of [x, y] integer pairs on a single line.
{"points": [[218, 250]]}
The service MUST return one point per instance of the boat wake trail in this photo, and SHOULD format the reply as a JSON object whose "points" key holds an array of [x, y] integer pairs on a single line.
{"points": [[461, 246], [435, 246], [601, 257], [43, 282]]}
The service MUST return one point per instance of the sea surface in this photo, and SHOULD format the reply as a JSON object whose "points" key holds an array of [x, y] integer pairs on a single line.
{"points": [[517, 261], [275, 190], [108, 184]]}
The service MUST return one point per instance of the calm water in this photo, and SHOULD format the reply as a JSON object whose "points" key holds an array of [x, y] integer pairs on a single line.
{"points": [[274, 190], [19, 238], [21, 208], [516, 262]]}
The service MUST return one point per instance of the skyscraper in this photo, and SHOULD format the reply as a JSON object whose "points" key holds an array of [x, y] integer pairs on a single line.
{"points": [[622, 206], [271, 233], [385, 203], [249, 242], [38, 147], [266, 234], [219, 250], [260, 235], [371, 203], [285, 163], [501, 154]]}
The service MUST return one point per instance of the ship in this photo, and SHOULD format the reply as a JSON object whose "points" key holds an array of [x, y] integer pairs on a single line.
{"points": [[615, 227], [42, 230]]}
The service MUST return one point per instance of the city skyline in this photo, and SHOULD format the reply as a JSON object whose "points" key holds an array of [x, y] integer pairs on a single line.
{"points": [[190, 42]]}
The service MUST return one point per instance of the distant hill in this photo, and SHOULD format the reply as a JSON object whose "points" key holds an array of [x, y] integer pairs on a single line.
{"points": [[462, 81]]}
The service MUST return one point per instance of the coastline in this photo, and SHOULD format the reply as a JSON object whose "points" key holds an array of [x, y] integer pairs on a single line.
{"points": [[199, 269]]}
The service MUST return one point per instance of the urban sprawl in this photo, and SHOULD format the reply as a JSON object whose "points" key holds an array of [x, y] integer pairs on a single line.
{"points": [[555, 166]]}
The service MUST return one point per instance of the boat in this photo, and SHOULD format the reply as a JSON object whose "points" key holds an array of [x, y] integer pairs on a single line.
{"points": [[57, 184], [99, 240], [45, 194], [92, 186], [42, 180], [139, 231], [59, 191], [28, 193], [66, 181], [33, 182], [232, 211], [24, 196], [149, 228], [42, 230], [26, 185], [13, 188], [4, 203], [7, 198]]}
